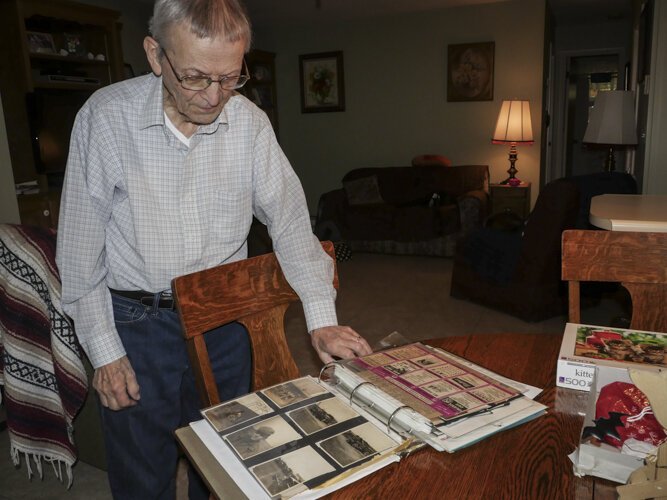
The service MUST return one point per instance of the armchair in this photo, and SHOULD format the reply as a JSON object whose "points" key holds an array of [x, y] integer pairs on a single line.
{"points": [[518, 271]]}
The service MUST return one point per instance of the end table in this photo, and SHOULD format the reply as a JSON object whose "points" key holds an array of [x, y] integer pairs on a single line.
{"points": [[505, 198]]}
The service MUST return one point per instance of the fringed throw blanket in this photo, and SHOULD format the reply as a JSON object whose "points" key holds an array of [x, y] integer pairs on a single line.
{"points": [[40, 358]]}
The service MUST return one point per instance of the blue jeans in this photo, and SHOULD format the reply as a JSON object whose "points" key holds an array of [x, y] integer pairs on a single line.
{"points": [[142, 453]]}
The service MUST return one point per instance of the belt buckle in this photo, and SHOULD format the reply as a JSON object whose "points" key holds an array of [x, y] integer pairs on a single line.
{"points": [[167, 297]]}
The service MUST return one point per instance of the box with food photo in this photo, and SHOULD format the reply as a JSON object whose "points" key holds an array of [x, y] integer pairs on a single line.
{"points": [[586, 346]]}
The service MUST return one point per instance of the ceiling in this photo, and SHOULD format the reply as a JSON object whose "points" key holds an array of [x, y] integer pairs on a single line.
{"points": [[292, 12]]}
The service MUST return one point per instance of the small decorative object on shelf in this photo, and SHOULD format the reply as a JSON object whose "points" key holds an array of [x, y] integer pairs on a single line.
{"points": [[74, 44], [41, 43]]}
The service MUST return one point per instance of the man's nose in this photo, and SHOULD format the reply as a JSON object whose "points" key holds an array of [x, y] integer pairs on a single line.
{"points": [[214, 93]]}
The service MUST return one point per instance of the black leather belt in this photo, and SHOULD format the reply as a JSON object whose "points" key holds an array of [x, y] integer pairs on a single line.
{"points": [[164, 299]]}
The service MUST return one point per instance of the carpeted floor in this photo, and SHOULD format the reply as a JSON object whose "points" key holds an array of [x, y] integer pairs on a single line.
{"points": [[379, 294]]}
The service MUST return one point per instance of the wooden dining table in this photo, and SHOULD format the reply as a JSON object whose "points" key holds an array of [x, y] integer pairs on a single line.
{"points": [[529, 461]]}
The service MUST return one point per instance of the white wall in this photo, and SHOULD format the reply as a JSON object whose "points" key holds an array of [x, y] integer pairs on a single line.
{"points": [[395, 86]]}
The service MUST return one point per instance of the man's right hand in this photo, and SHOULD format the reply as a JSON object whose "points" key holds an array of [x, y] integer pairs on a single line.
{"points": [[117, 385]]}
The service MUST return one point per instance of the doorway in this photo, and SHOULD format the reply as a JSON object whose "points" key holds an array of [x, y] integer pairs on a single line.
{"points": [[580, 75], [587, 75]]}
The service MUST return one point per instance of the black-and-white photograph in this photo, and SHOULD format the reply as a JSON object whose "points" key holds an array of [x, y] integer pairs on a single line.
{"points": [[262, 436], [318, 416], [285, 475], [428, 360], [401, 368], [227, 415], [293, 392], [356, 444]]}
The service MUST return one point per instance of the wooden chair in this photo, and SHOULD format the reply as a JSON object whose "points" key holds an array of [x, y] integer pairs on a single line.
{"points": [[253, 292], [637, 260]]}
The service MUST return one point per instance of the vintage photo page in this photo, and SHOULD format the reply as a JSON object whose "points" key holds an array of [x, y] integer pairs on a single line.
{"points": [[435, 384], [296, 435]]}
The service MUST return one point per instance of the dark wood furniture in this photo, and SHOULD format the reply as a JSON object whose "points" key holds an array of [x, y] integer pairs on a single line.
{"points": [[519, 271], [39, 84], [253, 292], [527, 462], [636, 260], [505, 198], [261, 88]]}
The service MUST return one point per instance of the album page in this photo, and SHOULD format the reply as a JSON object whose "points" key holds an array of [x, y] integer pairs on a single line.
{"points": [[296, 436], [431, 382]]}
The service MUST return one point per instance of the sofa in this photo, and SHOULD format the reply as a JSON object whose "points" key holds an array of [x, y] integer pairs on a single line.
{"points": [[413, 210]]}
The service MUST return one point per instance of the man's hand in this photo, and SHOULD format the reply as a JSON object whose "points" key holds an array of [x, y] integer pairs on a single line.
{"points": [[340, 341], [116, 384]]}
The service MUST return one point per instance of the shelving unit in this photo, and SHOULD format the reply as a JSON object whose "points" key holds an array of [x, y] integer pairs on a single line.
{"points": [[261, 88], [54, 53]]}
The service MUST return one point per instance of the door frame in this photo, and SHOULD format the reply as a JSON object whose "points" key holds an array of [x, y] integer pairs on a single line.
{"points": [[555, 167]]}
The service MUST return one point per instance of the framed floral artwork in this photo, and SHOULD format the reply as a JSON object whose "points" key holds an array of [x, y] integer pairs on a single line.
{"points": [[322, 82], [470, 71]]}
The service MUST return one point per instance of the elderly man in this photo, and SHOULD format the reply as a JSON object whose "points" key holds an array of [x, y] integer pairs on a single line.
{"points": [[164, 175]]}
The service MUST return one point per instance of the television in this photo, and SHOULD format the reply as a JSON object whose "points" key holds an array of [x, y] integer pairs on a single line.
{"points": [[51, 114]]}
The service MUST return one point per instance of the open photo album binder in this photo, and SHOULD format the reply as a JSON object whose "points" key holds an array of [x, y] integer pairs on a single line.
{"points": [[310, 436]]}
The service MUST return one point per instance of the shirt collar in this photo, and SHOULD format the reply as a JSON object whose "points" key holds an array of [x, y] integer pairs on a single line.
{"points": [[153, 111]]}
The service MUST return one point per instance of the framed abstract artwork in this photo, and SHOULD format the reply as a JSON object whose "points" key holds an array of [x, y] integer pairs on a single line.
{"points": [[470, 71], [322, 82]]}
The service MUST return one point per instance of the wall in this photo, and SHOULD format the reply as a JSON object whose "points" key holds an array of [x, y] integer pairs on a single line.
{"points": [[395, 86], [9, 210], [655, 167]]}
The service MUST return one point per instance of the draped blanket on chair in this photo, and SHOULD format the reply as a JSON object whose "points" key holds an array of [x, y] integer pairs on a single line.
{"points": [[40, 358]]}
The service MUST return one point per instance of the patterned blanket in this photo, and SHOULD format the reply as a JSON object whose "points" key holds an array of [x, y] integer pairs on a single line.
{"points": [[40, 358]]}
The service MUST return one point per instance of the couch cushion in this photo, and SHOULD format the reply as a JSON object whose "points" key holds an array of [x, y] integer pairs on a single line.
{"points": [[363, 191]]}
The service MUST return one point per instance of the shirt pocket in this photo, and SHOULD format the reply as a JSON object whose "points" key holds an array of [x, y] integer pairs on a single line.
{"points": [[230, 215]]}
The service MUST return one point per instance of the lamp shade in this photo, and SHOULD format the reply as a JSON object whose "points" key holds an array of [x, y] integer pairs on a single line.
{"points": [[612, 119], [513, 125]]}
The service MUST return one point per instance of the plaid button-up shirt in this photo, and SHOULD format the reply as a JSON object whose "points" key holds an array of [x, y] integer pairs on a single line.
{"points": [[139, 207]]}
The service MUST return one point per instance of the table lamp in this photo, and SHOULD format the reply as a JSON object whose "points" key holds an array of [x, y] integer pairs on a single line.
{"points": [[513, 127], [612, 123]]}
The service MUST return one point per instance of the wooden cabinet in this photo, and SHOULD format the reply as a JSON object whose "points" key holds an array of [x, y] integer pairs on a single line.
{"points": [[261, 88], [54, 54], [40, 209], [505, 198]]}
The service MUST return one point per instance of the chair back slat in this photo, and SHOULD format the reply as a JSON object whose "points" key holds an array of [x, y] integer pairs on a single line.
{"points": [[636, 260], [253, 292]]}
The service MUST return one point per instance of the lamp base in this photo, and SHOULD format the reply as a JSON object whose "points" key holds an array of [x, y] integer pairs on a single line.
{"points": [[512, 180], [610, 163]]}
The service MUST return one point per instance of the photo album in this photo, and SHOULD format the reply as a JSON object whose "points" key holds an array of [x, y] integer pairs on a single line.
{"points": [[310, 436]]}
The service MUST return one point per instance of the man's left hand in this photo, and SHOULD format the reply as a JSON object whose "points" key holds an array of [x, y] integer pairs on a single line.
{"points": [[339, 341]]}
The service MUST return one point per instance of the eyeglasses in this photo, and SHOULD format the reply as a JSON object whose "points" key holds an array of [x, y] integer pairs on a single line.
{"points": [[197, 83]]}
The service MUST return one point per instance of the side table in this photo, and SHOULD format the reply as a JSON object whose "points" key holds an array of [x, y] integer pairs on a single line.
{"points": [[505, 198]]}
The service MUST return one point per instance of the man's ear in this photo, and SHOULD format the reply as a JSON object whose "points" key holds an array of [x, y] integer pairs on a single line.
{"points": [[152, 49]]}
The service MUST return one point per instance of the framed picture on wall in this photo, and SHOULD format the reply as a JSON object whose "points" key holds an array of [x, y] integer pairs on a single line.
{"points": [[322, 82], [470, 71]]}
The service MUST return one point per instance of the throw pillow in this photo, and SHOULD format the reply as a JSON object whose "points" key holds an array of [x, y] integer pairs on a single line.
{"points": [[364, 191], [428, 160]]}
